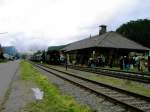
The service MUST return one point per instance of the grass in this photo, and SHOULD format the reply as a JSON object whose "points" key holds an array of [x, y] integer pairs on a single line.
{"points": [[124, 84], [53, 100], [116, 82], [134, 70]]}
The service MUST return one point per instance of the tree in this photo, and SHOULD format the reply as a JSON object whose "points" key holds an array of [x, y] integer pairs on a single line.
{"points": [[38, 52], [24, 56], [43, 56], [138, 31]]}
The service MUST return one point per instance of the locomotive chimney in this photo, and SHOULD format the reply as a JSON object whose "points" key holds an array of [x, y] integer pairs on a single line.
{"points": [[102, 29]]}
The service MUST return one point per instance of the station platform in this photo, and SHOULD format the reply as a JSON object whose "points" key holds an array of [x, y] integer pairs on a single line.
{"points": [[125, 84]]}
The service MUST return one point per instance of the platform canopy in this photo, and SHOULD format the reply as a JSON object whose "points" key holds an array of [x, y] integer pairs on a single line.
{"points": [[106, 40]]}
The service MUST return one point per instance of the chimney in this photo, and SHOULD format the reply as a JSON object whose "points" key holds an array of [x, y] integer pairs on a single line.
{"points": [[102, 29]]}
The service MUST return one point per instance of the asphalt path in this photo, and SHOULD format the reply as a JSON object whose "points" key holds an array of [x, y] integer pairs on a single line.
{"points": [[7, 71]]}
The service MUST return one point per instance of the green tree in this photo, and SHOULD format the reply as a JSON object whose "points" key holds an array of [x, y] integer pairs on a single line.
{"points": [[138, 31], [43, 56], [37, 52], [24, 56]]}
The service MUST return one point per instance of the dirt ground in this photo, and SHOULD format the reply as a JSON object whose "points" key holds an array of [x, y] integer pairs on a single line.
{"points": [[19, 95], [7, 73]]}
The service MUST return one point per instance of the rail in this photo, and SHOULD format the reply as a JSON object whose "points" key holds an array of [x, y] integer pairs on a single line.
{"points": [[133, 101]]}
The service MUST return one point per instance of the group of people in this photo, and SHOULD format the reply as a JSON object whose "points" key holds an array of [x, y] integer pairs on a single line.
{"points": [[125, 62], [128, 62], [99, 61]]}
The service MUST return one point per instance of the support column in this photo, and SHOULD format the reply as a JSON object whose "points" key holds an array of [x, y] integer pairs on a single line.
{"points": [[68, 59]]}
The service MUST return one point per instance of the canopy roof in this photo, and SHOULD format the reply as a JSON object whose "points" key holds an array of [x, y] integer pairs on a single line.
{"points": [[106, 40]]}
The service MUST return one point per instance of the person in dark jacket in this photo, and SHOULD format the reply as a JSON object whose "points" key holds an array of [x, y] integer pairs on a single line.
{"points": [[111, 62], [66, 64], [121, 62]]}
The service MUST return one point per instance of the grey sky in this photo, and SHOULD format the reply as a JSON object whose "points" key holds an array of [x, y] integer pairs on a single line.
{"points": [[36, 24]]}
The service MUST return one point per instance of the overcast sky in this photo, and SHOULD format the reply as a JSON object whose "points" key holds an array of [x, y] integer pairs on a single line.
{"points": [[35, 24]]}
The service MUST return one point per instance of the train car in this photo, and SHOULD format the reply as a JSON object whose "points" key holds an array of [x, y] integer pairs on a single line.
{"points": [[36, 57], [54, 54]]}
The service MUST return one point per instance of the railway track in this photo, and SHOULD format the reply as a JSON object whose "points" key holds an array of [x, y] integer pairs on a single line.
{"points": [[131, 101], [114, 73]]}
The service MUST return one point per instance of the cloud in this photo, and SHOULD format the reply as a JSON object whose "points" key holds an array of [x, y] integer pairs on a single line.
{"points": [[55, 22], [138, 10]]}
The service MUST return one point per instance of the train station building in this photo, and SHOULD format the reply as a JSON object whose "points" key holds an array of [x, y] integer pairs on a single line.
{"points": [[110, 45]]}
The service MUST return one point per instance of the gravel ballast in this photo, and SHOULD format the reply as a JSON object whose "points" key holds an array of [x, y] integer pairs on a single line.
{"points": [[82, 96]]}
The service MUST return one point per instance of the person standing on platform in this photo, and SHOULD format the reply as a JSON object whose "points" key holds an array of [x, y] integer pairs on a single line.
{"points": [[121, 62], [111, 62], [125, 62], [131, 63], [137, 62], [142, 64], [66, 64]]}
